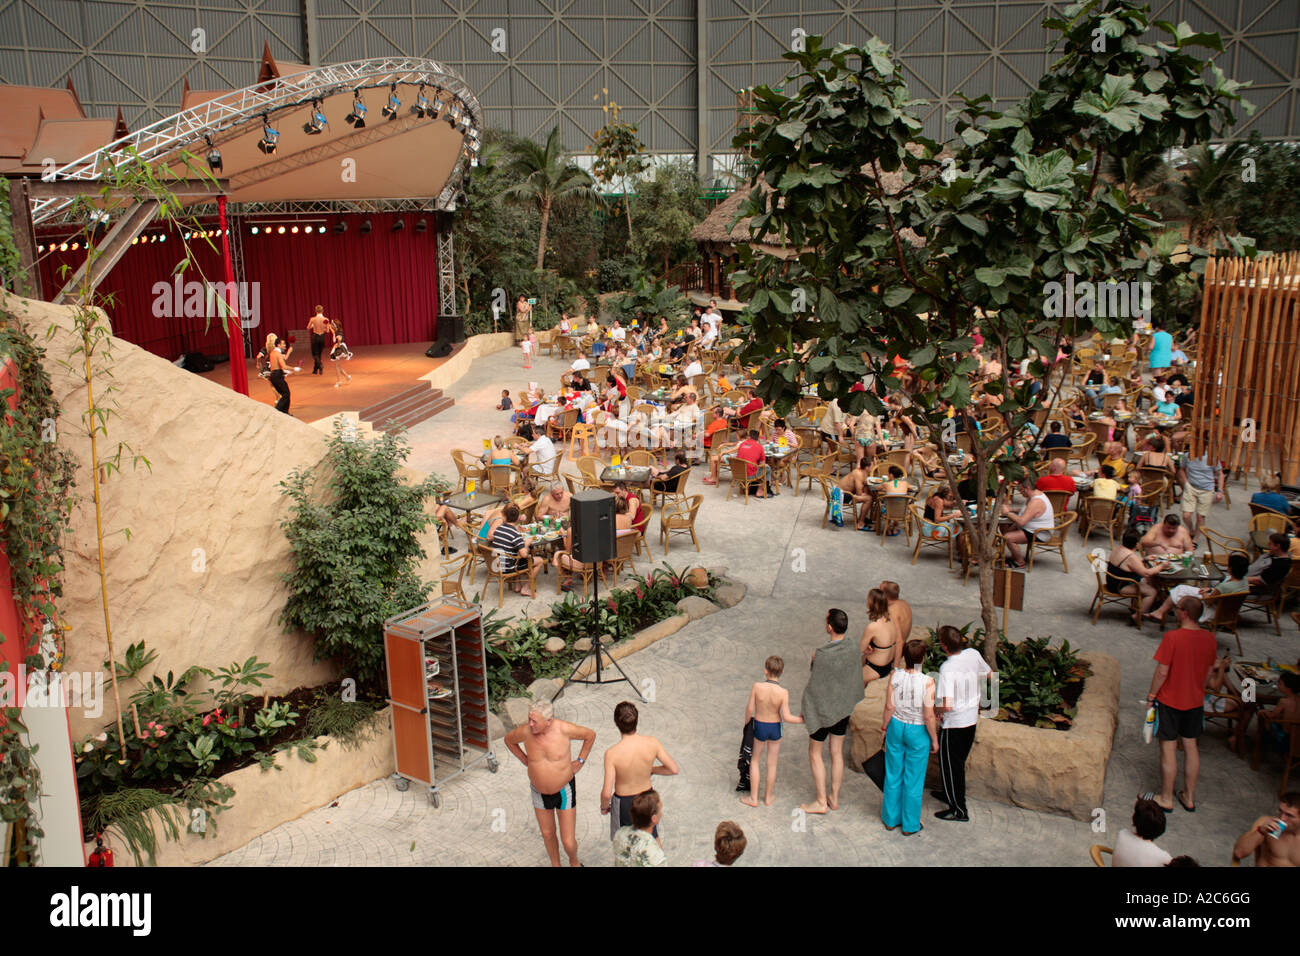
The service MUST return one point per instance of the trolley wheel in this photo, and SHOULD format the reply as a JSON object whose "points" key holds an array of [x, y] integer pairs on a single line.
{"points": [[492, 763], [435, 799], [402, 784]]}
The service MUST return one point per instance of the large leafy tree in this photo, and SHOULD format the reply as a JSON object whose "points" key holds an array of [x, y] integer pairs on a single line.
{"points": [[619, 157], [668, 207], [1017, 204], [544, 175], [1264, 194]]}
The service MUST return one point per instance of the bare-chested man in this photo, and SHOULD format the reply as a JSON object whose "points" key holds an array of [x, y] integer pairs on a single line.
{"points": [[900, 612], [553, 504], [629, 764], [318, 325], [1272, 845], [853, 487], [545, 747]]}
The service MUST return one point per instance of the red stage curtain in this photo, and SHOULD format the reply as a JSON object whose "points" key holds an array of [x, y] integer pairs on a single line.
{"points": [[383, 286]]}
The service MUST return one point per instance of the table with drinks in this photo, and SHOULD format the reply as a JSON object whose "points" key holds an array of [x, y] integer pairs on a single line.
{"points": [[1262, 678], [631, 474]]}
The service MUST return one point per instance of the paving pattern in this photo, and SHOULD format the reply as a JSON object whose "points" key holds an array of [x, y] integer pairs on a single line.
{"points": [[700, 679]]}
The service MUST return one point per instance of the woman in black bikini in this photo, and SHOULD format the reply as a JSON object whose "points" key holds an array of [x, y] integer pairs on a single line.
{"points": [[1127, 573], [879, 643]]}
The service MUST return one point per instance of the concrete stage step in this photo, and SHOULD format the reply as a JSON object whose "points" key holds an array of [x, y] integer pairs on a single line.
{"points": [[416, 404]]}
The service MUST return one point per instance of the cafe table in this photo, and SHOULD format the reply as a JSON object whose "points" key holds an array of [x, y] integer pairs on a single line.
{"points": [[1266, 693], [632, 474], [463, 501]]}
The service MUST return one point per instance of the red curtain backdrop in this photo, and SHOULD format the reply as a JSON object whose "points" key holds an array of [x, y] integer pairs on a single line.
{"points": [[382, 286]]}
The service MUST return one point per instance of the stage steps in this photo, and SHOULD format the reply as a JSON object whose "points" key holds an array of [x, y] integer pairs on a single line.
{"points": [[410, 407]]}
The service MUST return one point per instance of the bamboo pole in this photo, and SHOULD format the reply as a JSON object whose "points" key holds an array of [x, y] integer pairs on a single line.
{"points": [[1268, 443]]}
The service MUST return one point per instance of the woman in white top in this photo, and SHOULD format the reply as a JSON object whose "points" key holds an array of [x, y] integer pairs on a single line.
{"points": [[906, 729], [1037, 517]]}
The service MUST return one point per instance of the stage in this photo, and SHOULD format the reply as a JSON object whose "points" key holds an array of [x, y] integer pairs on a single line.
{"points": [[380, 374]]}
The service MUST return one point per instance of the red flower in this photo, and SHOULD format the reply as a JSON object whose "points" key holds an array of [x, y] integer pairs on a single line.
{"points": [[639, 594], [613, 606], [234, 723], [207, 720]]}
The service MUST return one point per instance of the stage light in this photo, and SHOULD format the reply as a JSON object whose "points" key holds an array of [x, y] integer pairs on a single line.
{"points": [[365, 228], [134, 240], [422, 108], [358, 115], [454, 114], [340, 227], [162, 237], [316, 125], [75, 246], [214, 155], [393, 105], [399, 225], [421, 225], [254, 232], [270, 137], [306, 228], [280, 230], [294, 230], [40, 248]]}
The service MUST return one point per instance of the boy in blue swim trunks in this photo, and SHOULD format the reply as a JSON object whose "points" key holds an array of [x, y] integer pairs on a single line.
{"points": [[769, 704]]}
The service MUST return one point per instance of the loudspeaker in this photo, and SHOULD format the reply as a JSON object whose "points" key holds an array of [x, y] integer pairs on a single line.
{"points": [[197, 362], [592, 515], [438, 349], [451, 327]]}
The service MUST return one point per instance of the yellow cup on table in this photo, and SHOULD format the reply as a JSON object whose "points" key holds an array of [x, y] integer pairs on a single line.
{"points": [[487, 443], [616, 460], [469, 486], [783, 441]]}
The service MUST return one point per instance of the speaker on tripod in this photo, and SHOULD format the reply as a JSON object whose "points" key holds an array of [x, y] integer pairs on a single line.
{"points": [[591, 514]]}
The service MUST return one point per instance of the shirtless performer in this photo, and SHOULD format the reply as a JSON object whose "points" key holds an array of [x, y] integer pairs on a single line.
{"points": [[629, 764], [318, 325], [1263, 839], [545, 748]]}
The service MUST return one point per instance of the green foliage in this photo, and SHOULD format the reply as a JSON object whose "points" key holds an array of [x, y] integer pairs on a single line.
{"points": [[355, 548], [653, 298], [344, 721], [1264, 201], [1018, 204], [668, 206], [134, 813], [543, 176], [1038, 684]]}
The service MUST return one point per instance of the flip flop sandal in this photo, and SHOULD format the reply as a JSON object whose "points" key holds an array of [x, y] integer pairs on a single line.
{"points": [[1151, 795]]}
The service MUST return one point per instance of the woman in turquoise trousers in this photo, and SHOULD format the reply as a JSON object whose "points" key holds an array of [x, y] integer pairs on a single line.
{"points": [[910, 736]]}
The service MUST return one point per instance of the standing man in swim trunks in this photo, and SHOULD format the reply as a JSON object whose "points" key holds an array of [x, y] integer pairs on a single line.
{"points": [[629, 764], [545, 747], [834, 689], [318, 325]]}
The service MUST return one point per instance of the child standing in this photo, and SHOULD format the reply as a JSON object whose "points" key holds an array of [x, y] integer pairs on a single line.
{"points": [[769, 704]]}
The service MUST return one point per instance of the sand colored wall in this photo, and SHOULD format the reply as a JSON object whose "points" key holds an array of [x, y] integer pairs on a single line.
{"points": [[216, 461]]}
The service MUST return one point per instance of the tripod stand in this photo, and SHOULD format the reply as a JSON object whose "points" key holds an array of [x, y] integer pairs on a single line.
{"points": [[597, 650]]}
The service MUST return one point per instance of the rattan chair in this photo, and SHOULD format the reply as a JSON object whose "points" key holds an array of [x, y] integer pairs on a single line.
{"points": [[626, 547], [1097, 513], [1270, 602], [1105, 596], [929, 541], [892, 509], [453, 575], [590, 467], [505, 480], [670, 491], [815, 466], [848, 504], [678, 517], [740, 477], [1222, 545], [1060, 500], [495, 569], [468, 467], [1227, 611], [1056, 542]]}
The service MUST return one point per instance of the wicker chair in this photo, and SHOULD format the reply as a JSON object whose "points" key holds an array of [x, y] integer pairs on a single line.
{"points": [[496, 569], [678, 517], [640, 458], [590, 467], [674, 491], [1227, 611], [892, 510], [928, 541], [1105, 596], [1056, 542], [816, 466], [1099, 513], [468, 467], [1060, 501]]}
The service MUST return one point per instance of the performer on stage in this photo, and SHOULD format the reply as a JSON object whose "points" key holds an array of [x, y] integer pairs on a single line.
{"points": [[318, 325], [339, 353]]}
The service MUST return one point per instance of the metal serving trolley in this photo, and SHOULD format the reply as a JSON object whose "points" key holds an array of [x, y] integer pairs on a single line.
{"points": [[437, 686]]}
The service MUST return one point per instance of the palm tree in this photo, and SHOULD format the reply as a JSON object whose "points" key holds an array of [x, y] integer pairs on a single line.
{"points": [[1201, 196], [546, 176]]}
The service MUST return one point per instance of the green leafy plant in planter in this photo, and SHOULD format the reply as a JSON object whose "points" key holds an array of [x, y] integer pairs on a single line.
{"points": [[1038, 684], [356, 549]]}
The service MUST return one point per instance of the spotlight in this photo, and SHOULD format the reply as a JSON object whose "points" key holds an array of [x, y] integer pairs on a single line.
{"points": [[280, 230], [438, 106], [358, 115], [365, 228], [294, 230], [40, 248], [422, 108], [316, 125], [339, 227], [454, 114], [399, 225], [254, 232], [162, 237], [214, 155], [134, 240], [270, 137], [421, 225], [306, 228], [75, 246], [473, 162], [393, 105]]}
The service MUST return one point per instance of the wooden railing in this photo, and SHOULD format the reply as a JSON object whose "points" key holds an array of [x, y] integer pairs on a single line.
{"points": [[687, 276]]}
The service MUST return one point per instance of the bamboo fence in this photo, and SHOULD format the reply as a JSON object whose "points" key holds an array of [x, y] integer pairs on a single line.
{"points": [[1247, 410]]}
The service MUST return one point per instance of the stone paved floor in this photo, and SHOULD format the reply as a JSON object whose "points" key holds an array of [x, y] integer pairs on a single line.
{"points": [[701, 678]]}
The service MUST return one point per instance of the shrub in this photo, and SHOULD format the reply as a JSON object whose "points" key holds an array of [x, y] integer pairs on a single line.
{"points": [[357, 551]]}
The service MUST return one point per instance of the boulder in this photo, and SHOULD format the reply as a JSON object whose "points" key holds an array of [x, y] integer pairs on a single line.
{"points": [[1035, 768], [582, 645], [514, 712], [729, 594], [554, 645], [718, 571], [696, 607], [496, 726], [543, 688]]}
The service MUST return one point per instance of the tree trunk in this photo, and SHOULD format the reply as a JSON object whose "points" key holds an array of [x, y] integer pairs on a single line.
{"points": [[541, 238], [627, 209]]}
